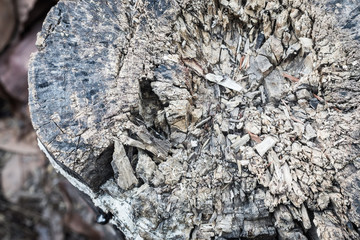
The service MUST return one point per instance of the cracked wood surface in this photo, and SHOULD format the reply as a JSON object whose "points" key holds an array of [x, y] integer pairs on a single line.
{"points": [[205, 119]]}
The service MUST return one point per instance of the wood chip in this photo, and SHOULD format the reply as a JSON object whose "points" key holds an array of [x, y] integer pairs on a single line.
{"points": [[125, 175], [265, 145], [224, 81]]}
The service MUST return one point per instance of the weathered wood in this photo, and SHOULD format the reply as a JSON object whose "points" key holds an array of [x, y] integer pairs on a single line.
{"points": [[205, 119]]}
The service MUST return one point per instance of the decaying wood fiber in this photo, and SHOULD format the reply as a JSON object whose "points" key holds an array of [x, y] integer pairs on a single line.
{"points": [[205, 119]]}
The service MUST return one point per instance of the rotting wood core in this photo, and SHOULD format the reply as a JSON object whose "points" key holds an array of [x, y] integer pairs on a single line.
{"points": [[224, 119]]}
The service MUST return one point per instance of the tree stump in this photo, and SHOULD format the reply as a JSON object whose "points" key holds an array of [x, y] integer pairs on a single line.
{"points": [[205, 119]]}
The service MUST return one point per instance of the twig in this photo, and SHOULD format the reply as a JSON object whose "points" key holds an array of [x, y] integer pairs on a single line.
{"points": [[202, 122], [292, 78]]}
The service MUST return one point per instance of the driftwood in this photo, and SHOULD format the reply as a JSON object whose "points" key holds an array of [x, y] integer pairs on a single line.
{"points": [[205, 119]]}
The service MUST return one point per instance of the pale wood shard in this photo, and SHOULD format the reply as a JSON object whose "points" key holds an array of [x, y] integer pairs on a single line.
{"points": [[224, 81], [145, 167], [265, 145], [124, 173], [240, 141], [176, 117]]}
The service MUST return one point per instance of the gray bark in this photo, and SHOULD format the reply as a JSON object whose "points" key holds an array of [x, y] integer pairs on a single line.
{"points": [[205, 119]]}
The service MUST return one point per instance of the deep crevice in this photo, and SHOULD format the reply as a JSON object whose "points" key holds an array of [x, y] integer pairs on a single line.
{"points": [[99, 170], [132, 154], [150, 107]]}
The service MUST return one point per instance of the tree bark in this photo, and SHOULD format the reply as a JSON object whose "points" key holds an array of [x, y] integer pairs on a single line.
{"points": [[205, 119]]}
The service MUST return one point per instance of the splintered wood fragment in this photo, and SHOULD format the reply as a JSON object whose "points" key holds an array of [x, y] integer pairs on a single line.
{"points": [[158, 152], [202, 122], [295, 119], [275, 163], [246, 63], [145, 167], [239, 167], [234, 120], [191, 63], [289, 111], [162, 146], [224, 81], [124, 173], [292, 78], [287, 175], [265, 145], [240, 141], [241, 62], [145, 140], [305, 217], [287, 107]]}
